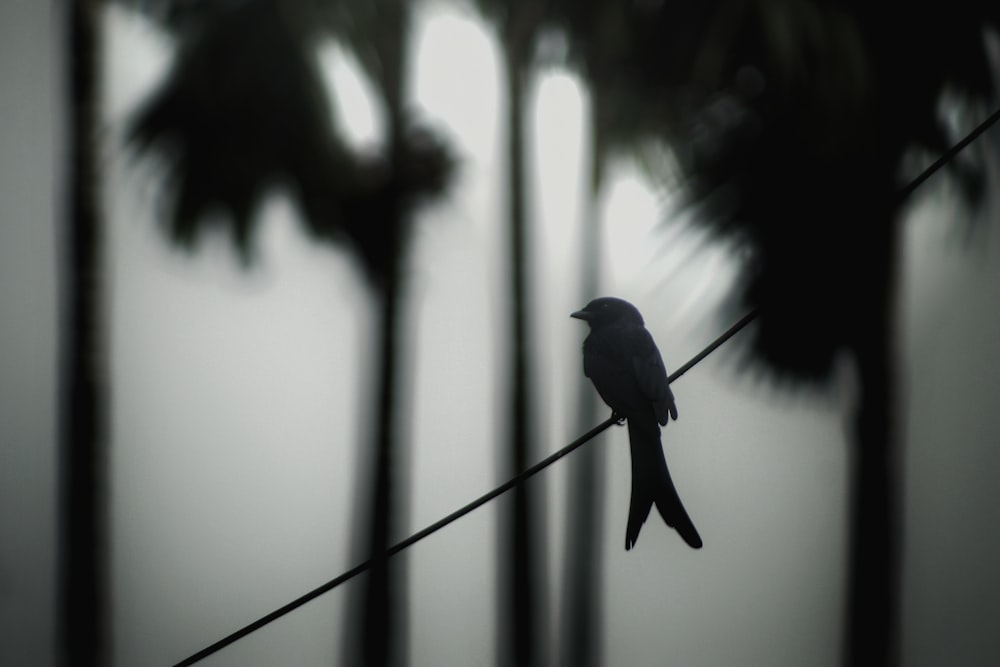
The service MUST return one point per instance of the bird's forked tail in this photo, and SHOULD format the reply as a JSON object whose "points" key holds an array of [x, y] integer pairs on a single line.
{"points": [[652, 484]]}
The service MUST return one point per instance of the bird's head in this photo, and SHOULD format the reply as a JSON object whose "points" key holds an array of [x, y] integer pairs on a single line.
{"points": [[608, 310]]}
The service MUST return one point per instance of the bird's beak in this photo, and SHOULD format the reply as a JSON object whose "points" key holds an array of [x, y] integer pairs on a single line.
{"points": [[581, 315]]}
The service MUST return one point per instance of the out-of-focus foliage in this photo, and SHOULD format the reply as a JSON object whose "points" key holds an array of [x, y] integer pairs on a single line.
{"points": [[799, 150], [637, 56], [244, 109], [791, 120], [241, 110]]}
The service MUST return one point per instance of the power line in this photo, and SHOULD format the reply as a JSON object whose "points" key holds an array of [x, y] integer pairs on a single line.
{"points": [[451, 518], [393, 550], [726, 335], [949, 155], [552, 458]]}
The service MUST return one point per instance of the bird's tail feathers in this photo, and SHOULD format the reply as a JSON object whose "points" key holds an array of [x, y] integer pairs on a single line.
{"points": [[652, 484], [638, 512], [672, 510]]}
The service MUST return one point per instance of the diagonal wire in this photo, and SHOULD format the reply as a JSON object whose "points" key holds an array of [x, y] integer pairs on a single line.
{"points": [[552, 458], [451, 518], [726, 335], [949, 155], [396, 548]]}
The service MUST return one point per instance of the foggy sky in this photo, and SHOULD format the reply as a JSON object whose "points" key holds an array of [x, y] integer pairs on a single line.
{"points": [[239, 397]]}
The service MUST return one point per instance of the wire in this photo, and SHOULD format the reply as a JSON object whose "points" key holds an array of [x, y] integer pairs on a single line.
{"points": [[451, 518], [726, 335], [552, 458], [411, 540], [949, 155]]}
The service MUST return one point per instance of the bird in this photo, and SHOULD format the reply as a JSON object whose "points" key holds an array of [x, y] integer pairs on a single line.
{"points": [[622, 360]]}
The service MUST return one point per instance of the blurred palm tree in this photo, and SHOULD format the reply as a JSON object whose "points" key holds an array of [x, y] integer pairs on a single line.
{"points": [[582, 570], [83, 449], [825, 101], [580, 635], [378, 31], [622, 118], [792, 120], [243, 110], [521, 616]]}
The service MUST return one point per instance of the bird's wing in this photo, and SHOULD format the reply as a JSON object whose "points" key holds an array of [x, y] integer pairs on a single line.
{"points": [[651, 375]]}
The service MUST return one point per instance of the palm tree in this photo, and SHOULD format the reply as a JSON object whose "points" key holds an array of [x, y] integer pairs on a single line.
{"points": [[582, 574], [379, 32], [83, 631], [792, 120], [521, 627], [580, 639], [243, 109], [812, 173], [621, 121]]}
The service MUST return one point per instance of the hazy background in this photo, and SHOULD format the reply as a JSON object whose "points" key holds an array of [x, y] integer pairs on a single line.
{"points": [[238, 397]]}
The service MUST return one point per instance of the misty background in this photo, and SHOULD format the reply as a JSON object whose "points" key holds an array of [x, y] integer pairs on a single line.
{"points": [[239, 395]]}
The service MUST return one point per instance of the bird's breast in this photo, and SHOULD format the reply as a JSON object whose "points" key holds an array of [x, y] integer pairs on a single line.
{"points": [[610, 369]]}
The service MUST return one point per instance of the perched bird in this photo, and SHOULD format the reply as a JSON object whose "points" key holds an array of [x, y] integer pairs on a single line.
{"points": [[621, 359]]}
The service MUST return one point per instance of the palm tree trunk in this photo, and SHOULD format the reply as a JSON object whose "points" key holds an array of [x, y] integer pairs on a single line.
{"points": [[519, 637], [83, 420], [582, 582], [383, 640], [374, 634], [383, 608], [872, 624]]}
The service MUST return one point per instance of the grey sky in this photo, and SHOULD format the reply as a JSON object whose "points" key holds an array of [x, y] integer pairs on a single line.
{"points": [[237, 406]]}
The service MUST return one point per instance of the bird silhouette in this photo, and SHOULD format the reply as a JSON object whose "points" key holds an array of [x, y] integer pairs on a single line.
{"points": [[623, 362]]}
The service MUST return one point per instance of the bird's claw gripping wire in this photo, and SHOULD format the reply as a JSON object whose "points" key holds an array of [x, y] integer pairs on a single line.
{"points": [[619, 419]]}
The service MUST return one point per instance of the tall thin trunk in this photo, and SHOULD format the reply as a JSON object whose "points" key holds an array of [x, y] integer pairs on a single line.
{"points": [[519, 638], [582, 581], [83, 419], [872, 624], [383, 636], [383, 608]]}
